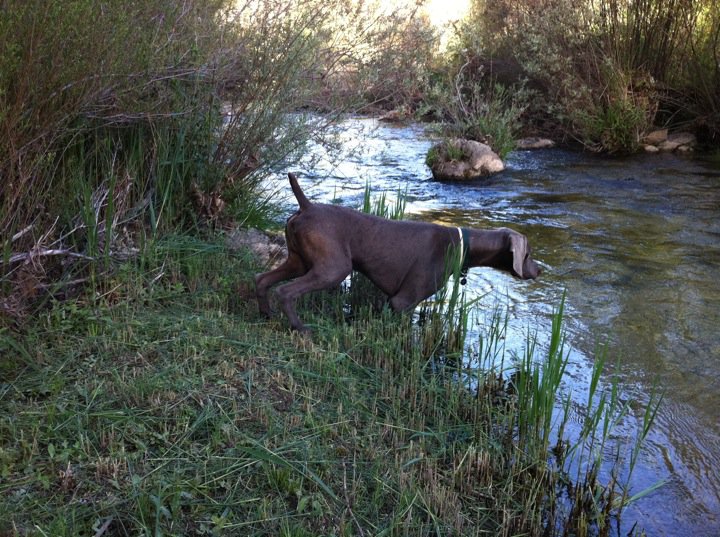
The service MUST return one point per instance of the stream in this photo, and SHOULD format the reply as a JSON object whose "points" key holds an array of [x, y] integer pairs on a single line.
{"points": [[635, 243]]}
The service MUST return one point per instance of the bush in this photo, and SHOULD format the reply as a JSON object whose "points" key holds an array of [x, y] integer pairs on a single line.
{"points": [[603, 73], [618, 120], [470, 103], [99, 105], [121, 121]]}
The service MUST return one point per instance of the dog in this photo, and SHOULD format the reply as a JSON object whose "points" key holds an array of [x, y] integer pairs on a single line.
{"points": [[406, 260]]}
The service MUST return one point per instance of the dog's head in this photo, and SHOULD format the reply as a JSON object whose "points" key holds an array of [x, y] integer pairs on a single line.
{"points": [[523, 266]]}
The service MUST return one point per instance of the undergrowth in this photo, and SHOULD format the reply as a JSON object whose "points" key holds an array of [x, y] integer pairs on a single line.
{"points": [[161, 404]]}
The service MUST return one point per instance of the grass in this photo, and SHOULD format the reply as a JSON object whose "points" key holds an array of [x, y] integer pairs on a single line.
{"points": [[176, 412], [446, 151], [163, 405], [160, 404]]}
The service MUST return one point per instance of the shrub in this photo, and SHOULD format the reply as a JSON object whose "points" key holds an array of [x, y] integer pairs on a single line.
{"points": [[616, 122], [120, 121], [471, 104], [603, 72], [95, 99]]}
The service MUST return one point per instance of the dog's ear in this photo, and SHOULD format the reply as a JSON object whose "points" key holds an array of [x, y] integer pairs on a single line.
{"points": [[519, 249]]}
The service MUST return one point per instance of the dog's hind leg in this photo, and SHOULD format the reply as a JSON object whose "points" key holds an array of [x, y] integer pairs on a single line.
{"points": [[318, 278], [292, 267]]}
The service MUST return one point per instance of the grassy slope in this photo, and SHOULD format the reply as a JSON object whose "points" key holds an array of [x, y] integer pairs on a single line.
{"points": [[164, 405]]}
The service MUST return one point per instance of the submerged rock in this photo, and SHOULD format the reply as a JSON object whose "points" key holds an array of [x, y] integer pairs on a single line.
{"points": [[660, 140], [459, 159], [678, 140], [534, 142], [688, 148]]}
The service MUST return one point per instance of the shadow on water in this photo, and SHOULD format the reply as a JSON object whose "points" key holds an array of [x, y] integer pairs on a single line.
{"points": [[636, 244]]}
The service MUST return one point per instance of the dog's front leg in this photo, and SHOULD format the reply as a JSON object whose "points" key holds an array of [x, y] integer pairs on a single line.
{"points": [[421, 281]]}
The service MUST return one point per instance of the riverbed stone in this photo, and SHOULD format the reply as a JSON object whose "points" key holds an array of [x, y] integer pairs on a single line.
{"points": [[534, 142], [678, 139], [656, 137], [458, 159], [651, 148]]}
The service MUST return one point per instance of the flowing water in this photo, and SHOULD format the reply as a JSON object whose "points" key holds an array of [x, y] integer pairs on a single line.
{"points": [[635, 242]]}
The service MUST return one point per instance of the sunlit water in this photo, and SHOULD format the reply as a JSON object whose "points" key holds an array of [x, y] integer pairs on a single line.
{"points": [[636, 244]]}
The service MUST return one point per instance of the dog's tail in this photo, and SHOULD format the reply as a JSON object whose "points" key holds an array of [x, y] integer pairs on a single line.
{"points": [[299, 195]]}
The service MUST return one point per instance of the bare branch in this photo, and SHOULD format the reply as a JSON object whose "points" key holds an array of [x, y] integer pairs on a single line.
{"points": [[29, 256]]}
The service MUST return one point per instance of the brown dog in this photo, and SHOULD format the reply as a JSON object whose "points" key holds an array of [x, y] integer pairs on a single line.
{"points": [[406, 260]]}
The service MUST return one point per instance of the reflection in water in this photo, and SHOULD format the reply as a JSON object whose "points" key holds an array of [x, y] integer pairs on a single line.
{"points": [[636, 244]]}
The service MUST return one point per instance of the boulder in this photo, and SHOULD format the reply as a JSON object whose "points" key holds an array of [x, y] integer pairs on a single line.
{"points": [[458, 159], [534, 143], [268, 249], [651, 148], [679, 139], [683, 138], [655, 137]]}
